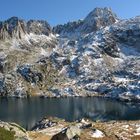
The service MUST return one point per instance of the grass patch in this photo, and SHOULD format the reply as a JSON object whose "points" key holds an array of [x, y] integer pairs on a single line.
{"points": [[6, 135]]}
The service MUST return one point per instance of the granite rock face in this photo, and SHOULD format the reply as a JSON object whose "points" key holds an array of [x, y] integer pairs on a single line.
{"points": [[13, 27]]}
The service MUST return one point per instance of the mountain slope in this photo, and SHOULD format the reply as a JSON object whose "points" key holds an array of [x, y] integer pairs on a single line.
{"points": [[96, 56]]}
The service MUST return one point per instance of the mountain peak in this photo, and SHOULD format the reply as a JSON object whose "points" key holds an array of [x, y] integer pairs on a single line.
{"points": [[102, 13], [99, 17], [98, 10], [14, 18], [39, 27]]}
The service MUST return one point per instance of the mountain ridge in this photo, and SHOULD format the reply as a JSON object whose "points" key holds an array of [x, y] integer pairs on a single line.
{"points": [[99, 17], [16, 27]]}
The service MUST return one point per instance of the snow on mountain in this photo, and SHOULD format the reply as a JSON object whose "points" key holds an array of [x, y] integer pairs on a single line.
{"points": [[96, 56], [96, 19]]}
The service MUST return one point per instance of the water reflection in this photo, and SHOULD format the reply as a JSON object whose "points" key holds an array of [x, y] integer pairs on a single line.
{"points": [[27, 111]]}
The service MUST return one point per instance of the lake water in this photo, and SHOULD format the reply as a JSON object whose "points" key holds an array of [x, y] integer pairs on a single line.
{"points": [[28, 111]]}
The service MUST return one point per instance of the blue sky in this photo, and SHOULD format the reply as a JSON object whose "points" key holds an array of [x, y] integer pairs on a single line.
{"points": [[61, 11]]}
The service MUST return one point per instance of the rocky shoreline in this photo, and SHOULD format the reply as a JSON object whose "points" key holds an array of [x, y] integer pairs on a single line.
{"points": [[125, 99], [84, 129], [129, 99]]}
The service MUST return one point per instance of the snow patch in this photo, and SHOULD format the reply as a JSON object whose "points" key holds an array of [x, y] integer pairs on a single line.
{"points": [[97, 134]]}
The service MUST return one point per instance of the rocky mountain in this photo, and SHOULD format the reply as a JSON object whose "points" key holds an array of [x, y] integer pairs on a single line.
{"points": [[96, 56], [18, 28], [96, 19]]}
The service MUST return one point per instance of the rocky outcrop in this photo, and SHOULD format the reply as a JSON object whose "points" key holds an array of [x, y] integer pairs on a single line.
{"points": [[38, 27], [44, 123], [97, 130], [12, 28], [29, 75], [73, 130]]}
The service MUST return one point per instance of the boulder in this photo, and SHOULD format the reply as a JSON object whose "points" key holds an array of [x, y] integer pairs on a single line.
{"points": [[73, 132], [84, 124], [70, 133]]}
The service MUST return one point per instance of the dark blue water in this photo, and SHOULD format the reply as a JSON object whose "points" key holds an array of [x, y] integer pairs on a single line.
{"points": [[28, 111]]}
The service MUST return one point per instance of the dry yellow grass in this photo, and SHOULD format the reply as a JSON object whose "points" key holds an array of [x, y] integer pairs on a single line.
{"points": [[38, 136]]}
